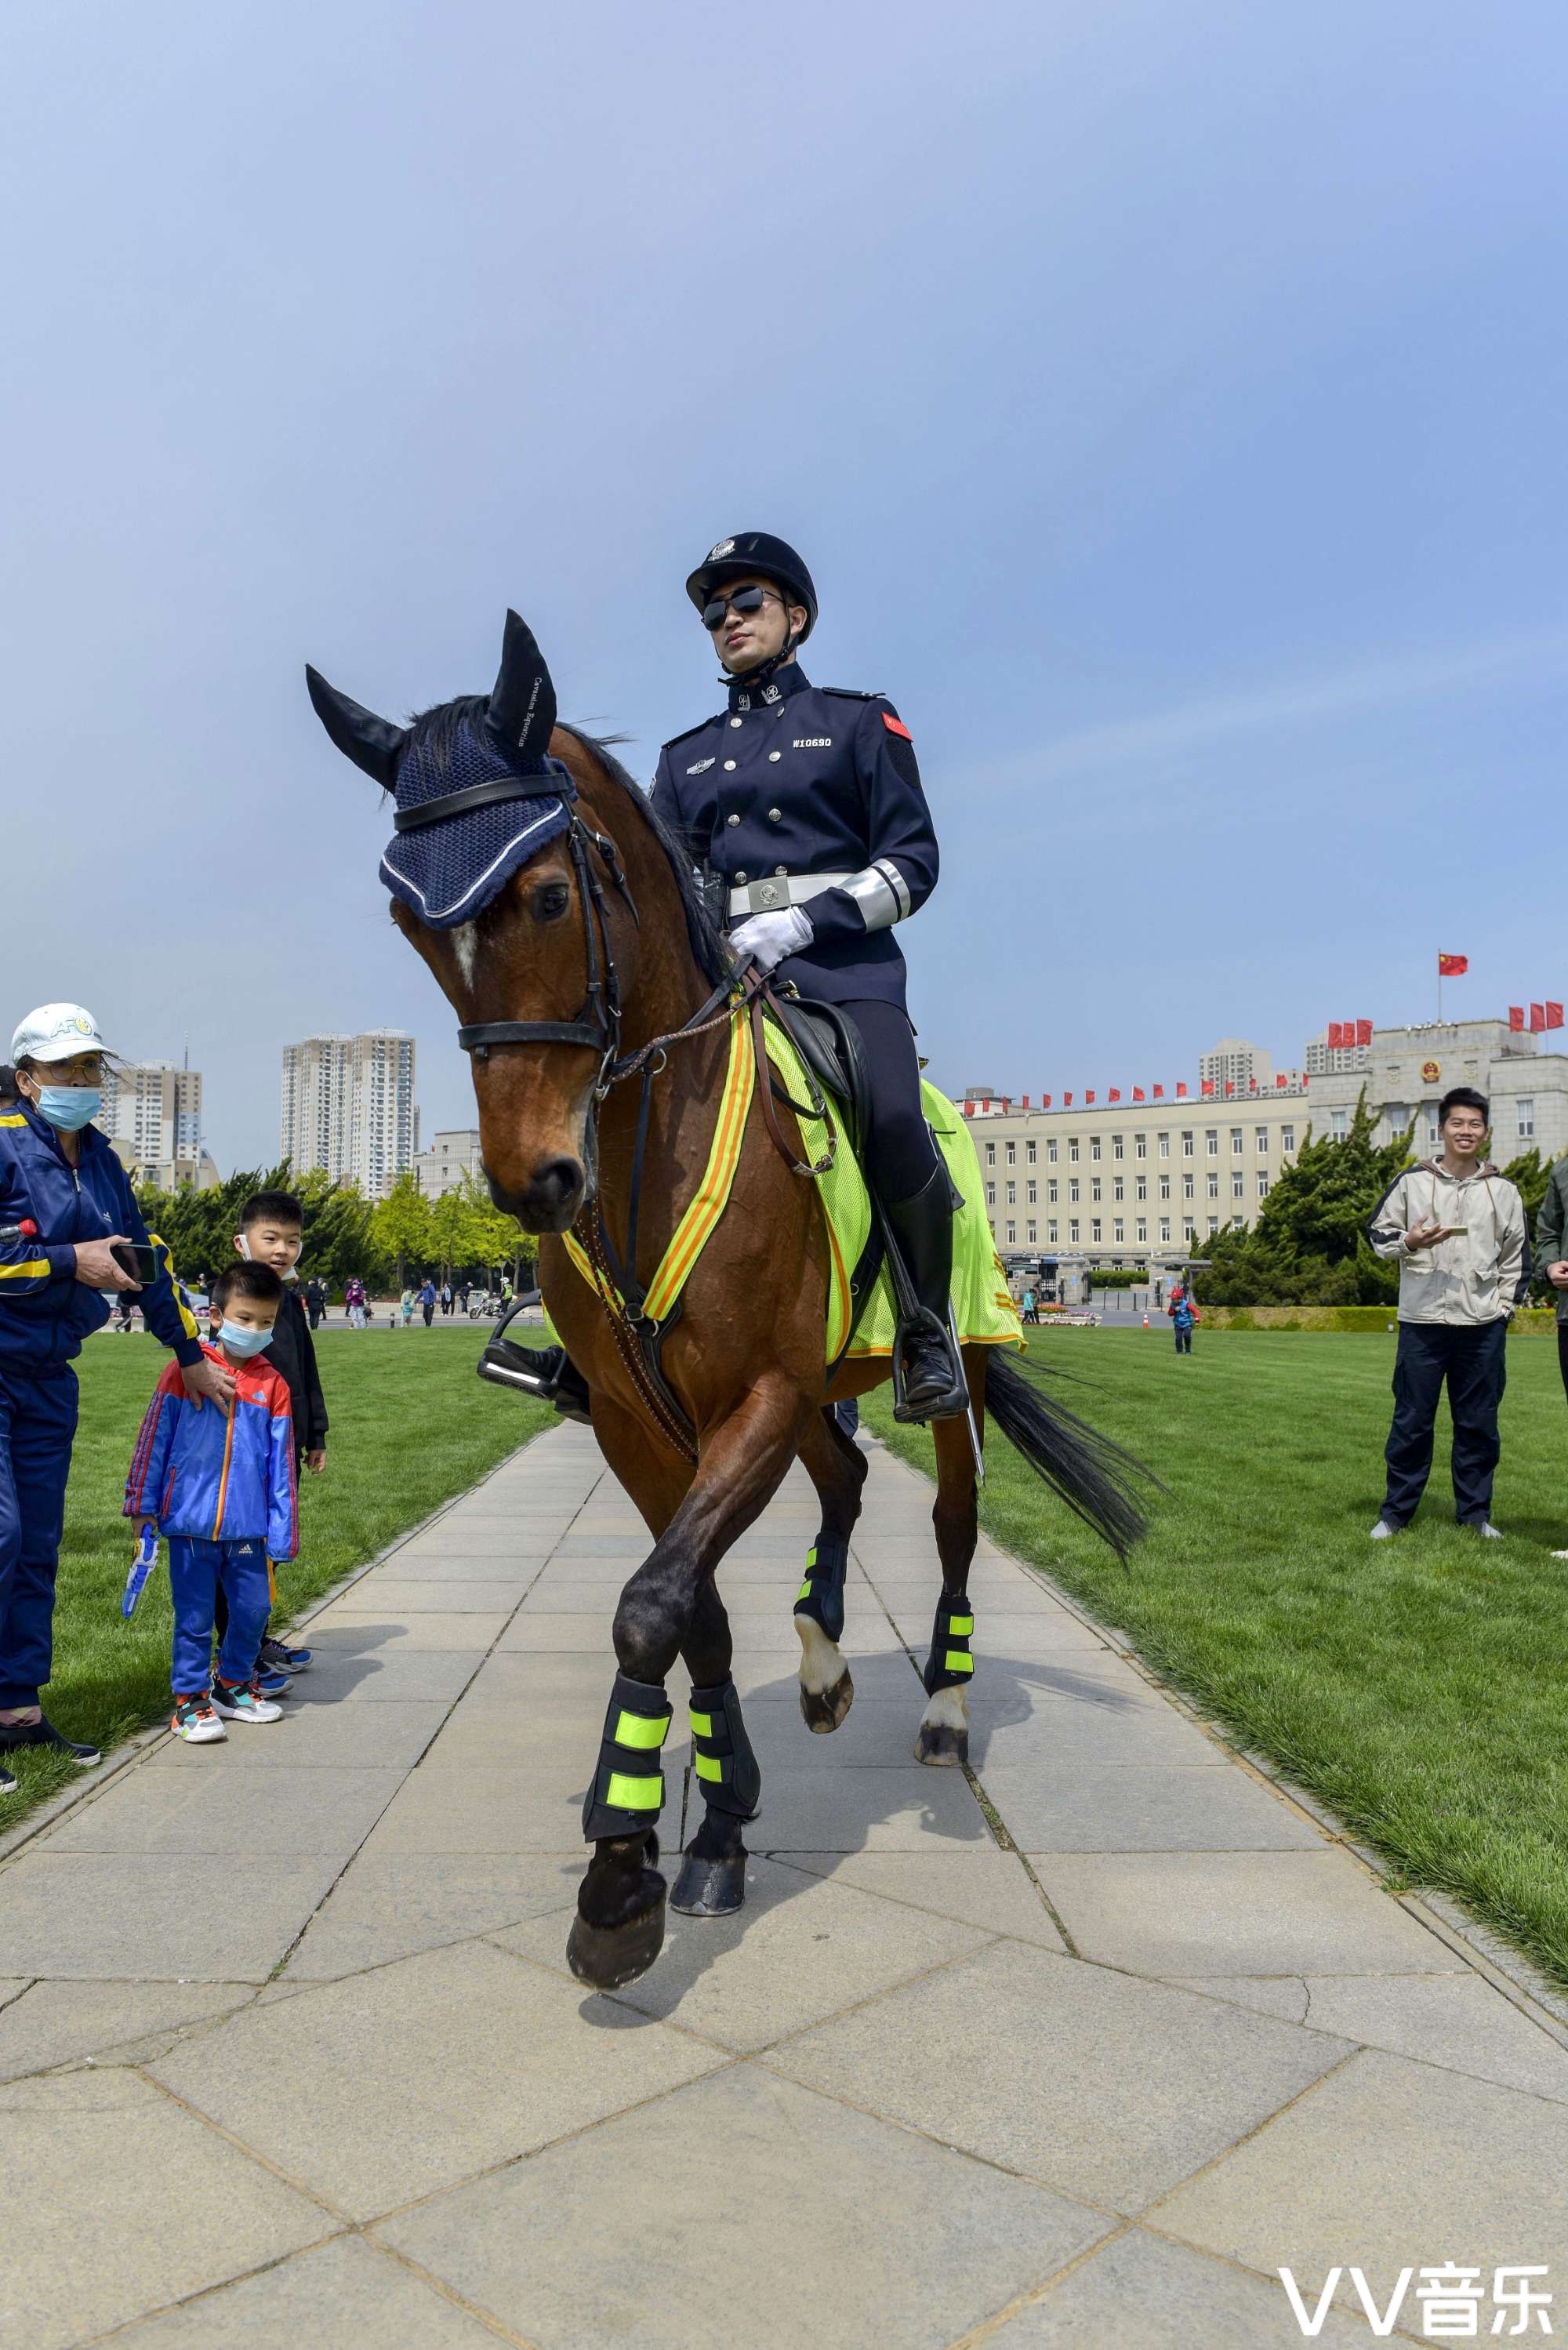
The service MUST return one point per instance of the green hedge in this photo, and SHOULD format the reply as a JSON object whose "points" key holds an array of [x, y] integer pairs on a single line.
{"points": [[1534, 1321], [1118, 1277]]}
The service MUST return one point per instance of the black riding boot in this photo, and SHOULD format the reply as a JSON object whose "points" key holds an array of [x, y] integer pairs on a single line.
{"points": [[546, 1373], [933, 1382]]}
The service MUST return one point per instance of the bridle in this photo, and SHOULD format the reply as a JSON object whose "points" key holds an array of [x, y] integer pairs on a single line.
{"points": [[598, 1025]]}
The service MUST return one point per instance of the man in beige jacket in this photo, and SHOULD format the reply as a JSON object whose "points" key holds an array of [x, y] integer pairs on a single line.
{"points": [[1458, 1228]]}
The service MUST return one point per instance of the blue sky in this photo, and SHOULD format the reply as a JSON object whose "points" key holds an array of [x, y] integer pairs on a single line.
{"points": [[1170, 402]]}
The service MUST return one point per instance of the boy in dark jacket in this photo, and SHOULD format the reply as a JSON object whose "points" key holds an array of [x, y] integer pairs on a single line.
{"points": [[272, 1232], [220, 1486]]}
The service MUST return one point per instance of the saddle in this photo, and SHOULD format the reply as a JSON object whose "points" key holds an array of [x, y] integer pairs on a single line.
{"points": [[830, 1045]]}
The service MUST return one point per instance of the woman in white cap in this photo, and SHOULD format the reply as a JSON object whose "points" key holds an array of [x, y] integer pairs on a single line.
{"points": [[65, 1204]]}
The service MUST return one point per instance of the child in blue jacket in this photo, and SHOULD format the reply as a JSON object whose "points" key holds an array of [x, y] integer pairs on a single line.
{"points": [[221, 1487]]}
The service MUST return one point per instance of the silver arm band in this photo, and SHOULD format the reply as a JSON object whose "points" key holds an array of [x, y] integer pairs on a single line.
{"points": [[881, 893]]}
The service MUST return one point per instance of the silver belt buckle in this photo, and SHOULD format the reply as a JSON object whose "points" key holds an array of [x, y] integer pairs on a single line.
{"points": [[766, 894]]}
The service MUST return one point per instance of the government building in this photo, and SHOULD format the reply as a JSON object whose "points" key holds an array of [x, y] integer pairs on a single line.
{"points": [[1076, 1182]]}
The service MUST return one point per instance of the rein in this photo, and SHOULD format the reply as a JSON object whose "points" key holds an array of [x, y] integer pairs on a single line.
{"points": [[638, 1336]]}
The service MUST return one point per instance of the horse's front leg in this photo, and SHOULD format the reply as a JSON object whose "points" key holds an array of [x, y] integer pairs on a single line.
{"points": [[620, 1924], [712, 1879], [944, 1736]]}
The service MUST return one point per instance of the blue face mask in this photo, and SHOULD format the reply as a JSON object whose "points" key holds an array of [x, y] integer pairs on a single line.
{"points": [[238, 1340], [68, 1108]]}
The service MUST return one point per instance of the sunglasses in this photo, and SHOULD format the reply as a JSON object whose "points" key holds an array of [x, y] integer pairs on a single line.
{"points": [[744, 599]]}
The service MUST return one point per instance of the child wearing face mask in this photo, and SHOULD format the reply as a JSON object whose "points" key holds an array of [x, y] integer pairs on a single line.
{"points": [[220, 1486]]}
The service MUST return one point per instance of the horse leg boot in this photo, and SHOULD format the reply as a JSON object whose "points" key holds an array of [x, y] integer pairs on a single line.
{"points": [[836, 1467], [712, 1879], [619, 1925], [943, 1737], [931, 1381]]}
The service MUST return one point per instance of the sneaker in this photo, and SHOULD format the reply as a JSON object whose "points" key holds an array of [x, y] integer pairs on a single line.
{"points": [[1485, 1528], [271, 1684], [280, 1659], [7, 1781], [194, 1721], [42, 1732], [1382, 1531], [242, 1701]]}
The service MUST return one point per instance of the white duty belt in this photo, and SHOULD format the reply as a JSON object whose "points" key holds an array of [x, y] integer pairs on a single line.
{"points": [[783, 889]]}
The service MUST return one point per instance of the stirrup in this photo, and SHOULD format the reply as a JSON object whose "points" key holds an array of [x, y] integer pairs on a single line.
{"points": [[548, 1374], [950, 1402]]}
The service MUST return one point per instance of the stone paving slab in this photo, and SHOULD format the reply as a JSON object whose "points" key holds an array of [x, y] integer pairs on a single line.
{"points": [[957, 2054], [348, 2293], [118, 2200], [745, 2197]]}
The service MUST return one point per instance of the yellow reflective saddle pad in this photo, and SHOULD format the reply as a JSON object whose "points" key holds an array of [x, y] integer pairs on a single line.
{"points": [[983, 1313]]}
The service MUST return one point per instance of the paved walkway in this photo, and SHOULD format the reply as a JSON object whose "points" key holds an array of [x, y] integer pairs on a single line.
{"points": [[290, 2051]]}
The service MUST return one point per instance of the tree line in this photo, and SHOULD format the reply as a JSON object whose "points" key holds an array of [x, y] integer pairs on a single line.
{"points": [[1309, 1246], [384, 1241]]}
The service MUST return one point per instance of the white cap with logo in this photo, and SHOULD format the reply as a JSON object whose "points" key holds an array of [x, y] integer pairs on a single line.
{"points": [[56, 1032]]}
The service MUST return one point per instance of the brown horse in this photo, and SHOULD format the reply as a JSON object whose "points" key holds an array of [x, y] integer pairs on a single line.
{"points": [[608, 902]]}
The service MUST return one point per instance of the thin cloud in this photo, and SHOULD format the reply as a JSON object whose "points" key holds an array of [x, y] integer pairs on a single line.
{"points": [[1140, 742]]}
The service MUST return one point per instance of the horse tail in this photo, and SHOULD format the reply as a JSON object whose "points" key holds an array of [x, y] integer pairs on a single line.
{"points": [[1092, 1475]]}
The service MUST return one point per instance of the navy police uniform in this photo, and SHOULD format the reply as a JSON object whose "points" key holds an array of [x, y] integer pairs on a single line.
{"points": [[790, 794]]}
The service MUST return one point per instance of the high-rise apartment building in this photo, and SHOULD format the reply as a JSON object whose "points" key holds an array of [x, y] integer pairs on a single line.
{"points": [[349, 1107], [151, 1112], [1234, 1062]]}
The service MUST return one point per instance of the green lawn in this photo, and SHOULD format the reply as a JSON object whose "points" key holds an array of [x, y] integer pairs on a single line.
{"points": [[1419, 1687], [411, 1427]]}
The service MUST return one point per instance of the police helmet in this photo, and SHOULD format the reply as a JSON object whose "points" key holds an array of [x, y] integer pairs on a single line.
{"points": [[755, 554]]}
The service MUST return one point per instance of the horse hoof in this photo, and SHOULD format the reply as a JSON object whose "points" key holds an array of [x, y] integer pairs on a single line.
{"points": [[821, 1710], [711, 1888], [941, 1745], [607, 1957]]}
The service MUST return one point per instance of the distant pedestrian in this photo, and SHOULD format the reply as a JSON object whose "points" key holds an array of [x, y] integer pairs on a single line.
{"points": [[446, 1301], [463, 1295], [406, 1308], [315, 1300], [428, 1300], [1457, 1227], [354, 1301], [1183, 1315], [1031, 1309]]}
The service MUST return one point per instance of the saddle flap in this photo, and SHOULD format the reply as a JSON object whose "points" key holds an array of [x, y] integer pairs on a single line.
{"points": [[830, 1043]]}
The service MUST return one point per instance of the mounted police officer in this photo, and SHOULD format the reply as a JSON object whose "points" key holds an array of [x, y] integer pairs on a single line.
{"points": [[806, 801]]}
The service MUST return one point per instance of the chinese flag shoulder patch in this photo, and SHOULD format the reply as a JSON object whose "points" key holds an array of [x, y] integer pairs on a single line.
{"points": [[896, 726]]}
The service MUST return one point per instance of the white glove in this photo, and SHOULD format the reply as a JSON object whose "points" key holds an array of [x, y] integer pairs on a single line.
{"points": [[766, 939]]}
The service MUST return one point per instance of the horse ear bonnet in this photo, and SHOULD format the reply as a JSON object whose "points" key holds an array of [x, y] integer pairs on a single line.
{"points": [[449, 869]]}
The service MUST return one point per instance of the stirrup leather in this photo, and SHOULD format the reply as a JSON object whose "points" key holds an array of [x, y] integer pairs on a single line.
{"points": [[628, 1789]]}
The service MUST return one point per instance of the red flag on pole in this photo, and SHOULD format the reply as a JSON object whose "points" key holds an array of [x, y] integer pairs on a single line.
{"points": [[1516, 1015], [1206, 1085], [1450, 966], [1138, 1094], [1364, 1031], [1281, 1081], [1230, 1085], [1537, 1018], [1067, 1101], [1553, 1014], [1088, 1098], [1252, 1084], [1180, 1092], [1044, 1101], [1115, 1094], [1335, 1036], [969, 1110]]}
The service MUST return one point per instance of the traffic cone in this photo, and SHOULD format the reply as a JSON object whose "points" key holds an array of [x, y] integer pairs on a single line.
{"points": [[1145, 1321]]}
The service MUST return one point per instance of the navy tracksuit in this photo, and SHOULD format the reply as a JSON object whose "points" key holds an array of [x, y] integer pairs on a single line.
{"points": [[44, 1315], [1472, 1357], [794, 779]]}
